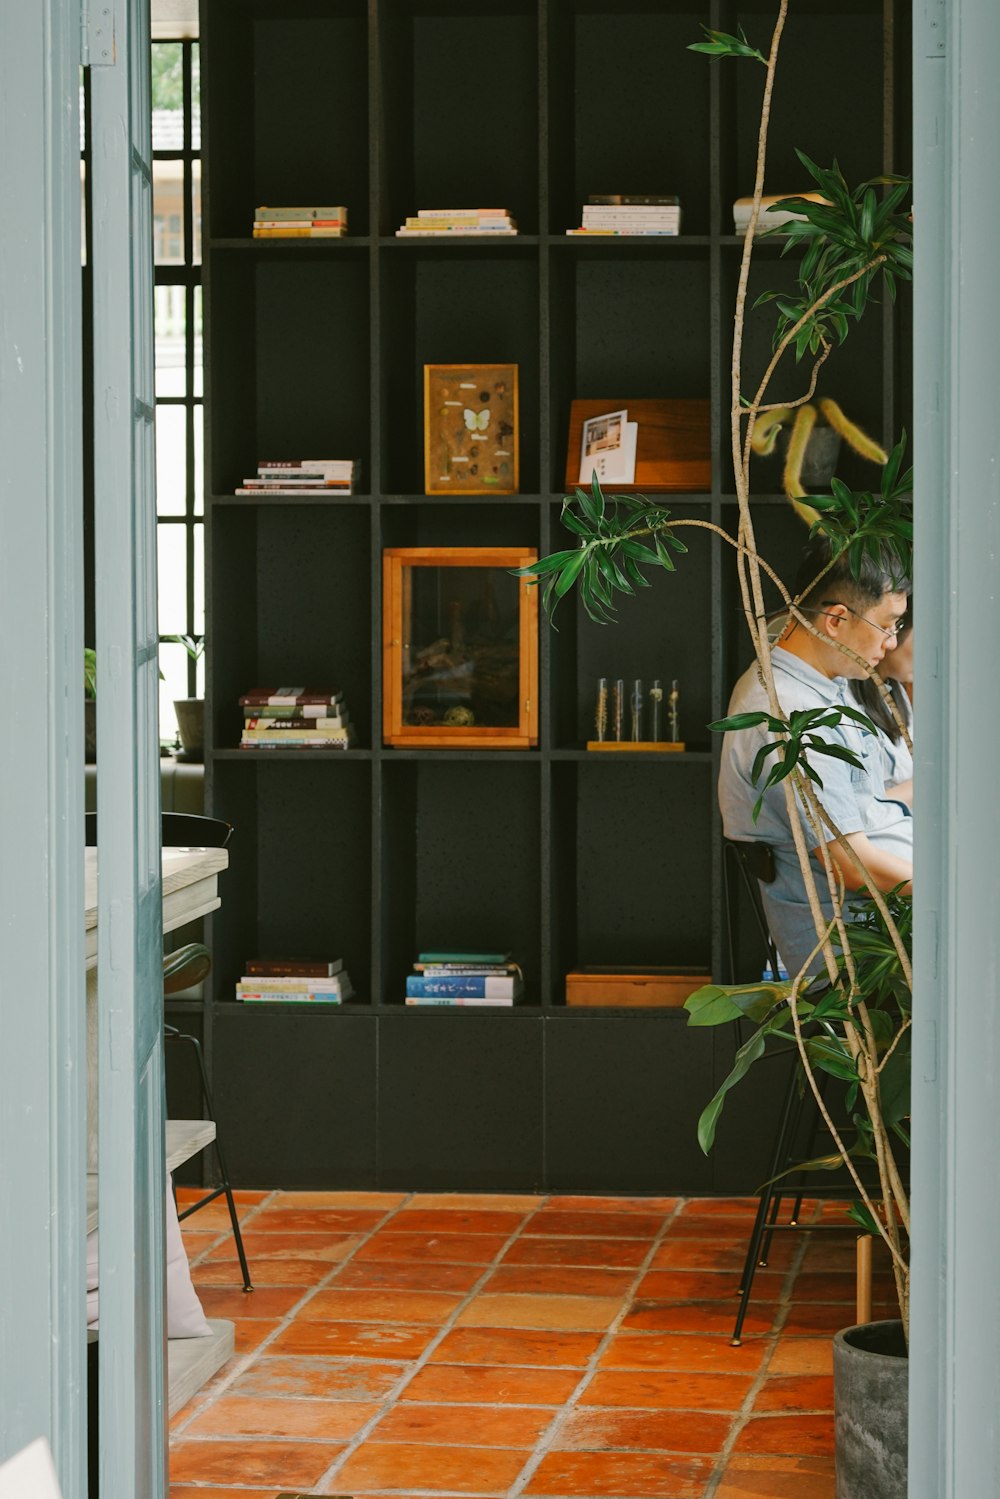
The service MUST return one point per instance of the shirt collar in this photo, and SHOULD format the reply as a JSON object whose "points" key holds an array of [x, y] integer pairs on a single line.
{"points": [[831, 689]]}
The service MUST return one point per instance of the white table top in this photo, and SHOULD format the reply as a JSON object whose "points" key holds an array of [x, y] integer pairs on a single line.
{"points": [[190, 889]]}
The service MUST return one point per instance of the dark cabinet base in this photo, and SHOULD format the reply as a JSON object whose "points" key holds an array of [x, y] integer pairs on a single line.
{"points": [[480, 1102]]}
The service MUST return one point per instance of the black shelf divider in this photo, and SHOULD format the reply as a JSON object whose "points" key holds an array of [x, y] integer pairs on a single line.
{"points": [[567, 856]]}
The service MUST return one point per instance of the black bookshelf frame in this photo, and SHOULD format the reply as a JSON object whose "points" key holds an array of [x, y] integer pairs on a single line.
{"points": [[377, 851]]}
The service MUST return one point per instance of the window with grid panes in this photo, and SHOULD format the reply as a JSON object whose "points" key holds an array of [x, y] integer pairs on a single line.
{"points": [[179, 389]]}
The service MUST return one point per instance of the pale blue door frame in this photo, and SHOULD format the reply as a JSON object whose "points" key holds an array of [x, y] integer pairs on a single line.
{"points": [[42, 1005], [43, 1111], [955, 1339]]}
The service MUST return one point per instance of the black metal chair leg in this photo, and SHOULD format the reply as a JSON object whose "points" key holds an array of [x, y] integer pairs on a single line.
{"points": [[224, 1189], [767, 1195]]}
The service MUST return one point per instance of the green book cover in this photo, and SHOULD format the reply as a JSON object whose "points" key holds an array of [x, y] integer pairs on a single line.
{"points": [[463, 957]]}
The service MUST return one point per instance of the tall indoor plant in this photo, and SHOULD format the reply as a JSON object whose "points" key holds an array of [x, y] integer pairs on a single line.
{"points": [[853, 1022]]}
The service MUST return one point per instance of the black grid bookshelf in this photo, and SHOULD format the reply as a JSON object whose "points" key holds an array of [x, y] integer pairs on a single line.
{"points": [[563, 857]]}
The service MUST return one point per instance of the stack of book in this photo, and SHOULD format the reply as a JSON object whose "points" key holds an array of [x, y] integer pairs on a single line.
{"points": [[295, 981], [302, 222], [295, 718], [291, 478], [464, 978], [431, 221], [769, 219], [626, 213]]}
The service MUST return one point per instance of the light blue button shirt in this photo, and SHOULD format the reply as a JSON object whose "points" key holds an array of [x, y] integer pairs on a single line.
{"points": [[854, 798]]}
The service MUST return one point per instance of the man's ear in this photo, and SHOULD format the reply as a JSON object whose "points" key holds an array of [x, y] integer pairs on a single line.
{"points": [[833, 617]]}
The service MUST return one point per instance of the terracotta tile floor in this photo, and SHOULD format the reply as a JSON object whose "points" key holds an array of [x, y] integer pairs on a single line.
{"points": [[504, 1346]]}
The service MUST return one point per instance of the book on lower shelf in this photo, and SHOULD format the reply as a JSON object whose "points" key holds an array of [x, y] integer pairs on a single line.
{"points": [[300, 221], [624, 213], [431, 222], [298, 478], [464, 978], [306, 718], [295, 981]]}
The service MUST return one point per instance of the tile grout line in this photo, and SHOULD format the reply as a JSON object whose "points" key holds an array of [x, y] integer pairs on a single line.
{"points": [[421, 1362], [741, 1417], [241, 1364], [544, 1443]]}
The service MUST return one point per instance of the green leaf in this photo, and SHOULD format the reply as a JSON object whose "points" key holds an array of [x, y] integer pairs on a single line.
{"points": [[570, 572], [859, 1214], [718, 1004], [750, 1052], [723, 44]]}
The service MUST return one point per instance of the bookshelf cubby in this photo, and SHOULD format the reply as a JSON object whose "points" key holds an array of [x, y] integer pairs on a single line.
{"points": [[317, 348]]}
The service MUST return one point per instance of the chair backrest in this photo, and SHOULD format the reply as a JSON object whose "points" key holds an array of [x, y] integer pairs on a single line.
{"points": [[749, 865], [177, 830]]}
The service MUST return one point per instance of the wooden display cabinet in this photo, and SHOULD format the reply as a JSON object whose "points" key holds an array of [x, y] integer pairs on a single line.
{"points": [[459, 648]]}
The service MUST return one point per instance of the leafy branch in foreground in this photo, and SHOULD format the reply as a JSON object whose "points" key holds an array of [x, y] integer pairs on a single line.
{"points": [[860, 523], [798, 740], [724, 44], [851, 231], [610, 556]]}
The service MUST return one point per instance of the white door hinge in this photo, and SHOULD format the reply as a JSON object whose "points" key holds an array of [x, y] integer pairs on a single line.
{"points": [[97, 34]]}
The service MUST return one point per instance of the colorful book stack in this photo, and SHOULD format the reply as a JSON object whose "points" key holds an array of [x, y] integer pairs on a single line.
{"points": [[291, 478], [295, 718], [624, 213], [295, 981], [430, 221], [464, 978], [306, 221]]}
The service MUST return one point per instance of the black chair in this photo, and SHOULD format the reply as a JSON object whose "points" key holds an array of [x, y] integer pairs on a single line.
{"points": [[746, 867], [182, 968]]}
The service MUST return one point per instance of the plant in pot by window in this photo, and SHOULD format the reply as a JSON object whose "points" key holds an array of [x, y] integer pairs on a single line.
{"points": [[190, 710], [852, 1023]]}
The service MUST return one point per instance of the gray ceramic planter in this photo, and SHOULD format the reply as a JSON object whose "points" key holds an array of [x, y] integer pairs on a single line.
{"points": [[870, 1383]]}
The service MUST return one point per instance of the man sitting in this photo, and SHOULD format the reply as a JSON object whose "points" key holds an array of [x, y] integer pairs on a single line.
{"points": [[809, 672]]}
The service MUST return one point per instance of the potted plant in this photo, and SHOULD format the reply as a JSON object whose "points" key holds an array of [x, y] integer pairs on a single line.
{"points": [[190, 710], [853, 1022]]}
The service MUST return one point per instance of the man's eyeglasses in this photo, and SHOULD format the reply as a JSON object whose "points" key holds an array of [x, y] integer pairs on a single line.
{"points": [[890, 634]]}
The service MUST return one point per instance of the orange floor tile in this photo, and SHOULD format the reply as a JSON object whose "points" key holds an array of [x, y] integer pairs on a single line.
{"points": [[498, 1346]]}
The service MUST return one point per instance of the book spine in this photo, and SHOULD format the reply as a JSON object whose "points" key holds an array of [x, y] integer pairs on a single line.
{"points": [[458, 1001], [287, 697], [494, 986], [295, 736], [459, 970], [292, 968], [460, 229], [299, 224], [293, 481], [276, 997], [478, 958], [287, 984], [293, 725], [462, 213], [299, 211], [294, 744], [307, 712], [280, 492], [291, 231], [625, 199], [330, 466]]}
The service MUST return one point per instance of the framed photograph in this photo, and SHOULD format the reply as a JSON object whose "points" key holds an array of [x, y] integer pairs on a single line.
{"points": [[470, 429], [459, 648]]}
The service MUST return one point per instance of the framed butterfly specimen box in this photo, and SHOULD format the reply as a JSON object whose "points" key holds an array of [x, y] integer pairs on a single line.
{"points": [[459, 648], [470, 429]]}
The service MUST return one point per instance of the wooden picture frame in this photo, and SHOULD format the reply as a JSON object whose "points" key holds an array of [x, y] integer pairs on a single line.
{"points": [[471, 442], [459, 654]]}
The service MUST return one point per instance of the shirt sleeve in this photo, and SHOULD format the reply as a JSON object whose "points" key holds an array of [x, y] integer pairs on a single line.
{"points": [[838, 795]]}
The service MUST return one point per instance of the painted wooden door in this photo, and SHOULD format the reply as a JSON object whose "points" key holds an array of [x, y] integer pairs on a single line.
{"points": [[131, 1147]]}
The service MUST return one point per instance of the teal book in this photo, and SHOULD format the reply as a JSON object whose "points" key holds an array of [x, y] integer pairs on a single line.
{"points": [[463, 957]]}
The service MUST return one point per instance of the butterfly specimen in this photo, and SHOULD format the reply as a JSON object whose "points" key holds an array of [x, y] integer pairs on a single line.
{"points": [[477, 421]]}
